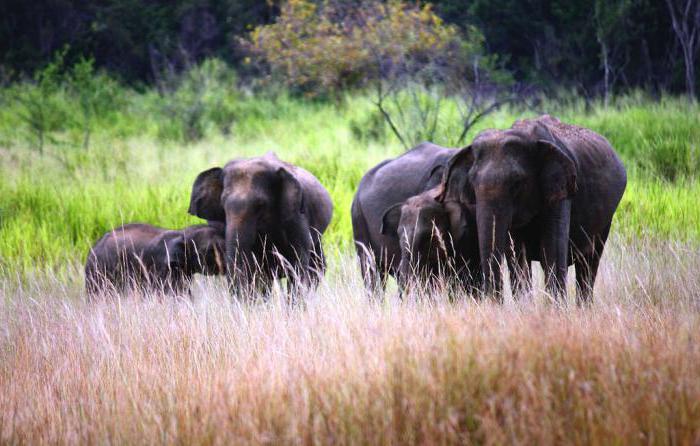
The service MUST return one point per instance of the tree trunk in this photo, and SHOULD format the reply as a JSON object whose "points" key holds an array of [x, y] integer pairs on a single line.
{"points": [[606, 72], [689, 72]]}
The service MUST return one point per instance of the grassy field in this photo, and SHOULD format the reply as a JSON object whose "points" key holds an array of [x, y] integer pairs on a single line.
{"points": [[344, 370], [338, 369], [53, 206]]}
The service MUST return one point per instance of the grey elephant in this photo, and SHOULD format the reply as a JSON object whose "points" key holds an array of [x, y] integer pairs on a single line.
{"points": [[437, 241], [275, 214], [145, 257], [383, 212], [541, 190]]}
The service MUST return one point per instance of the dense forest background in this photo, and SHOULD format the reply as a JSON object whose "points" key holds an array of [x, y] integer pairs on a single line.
{"points": [[590, 46]]}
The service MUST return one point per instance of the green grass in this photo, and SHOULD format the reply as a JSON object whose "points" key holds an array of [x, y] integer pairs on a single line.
{"points": [[53, 206]]}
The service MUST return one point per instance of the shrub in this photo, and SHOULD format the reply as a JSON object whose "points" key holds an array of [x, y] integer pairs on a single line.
{"points": [[41, 106], [321, 49], [203, 96], [97, 95]]}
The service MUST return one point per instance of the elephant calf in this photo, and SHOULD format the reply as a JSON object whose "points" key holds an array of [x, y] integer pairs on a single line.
{"points": [[436, 239], [145, 257], [389, 185]]}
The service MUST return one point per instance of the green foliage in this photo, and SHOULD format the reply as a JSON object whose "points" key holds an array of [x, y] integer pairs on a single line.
{"points": [[551, 43], [49, 216], [66, 105], [132, 39], [203, 96], [304, 44], [369, 127], [41, 105], [96, 94], [661, 139]]}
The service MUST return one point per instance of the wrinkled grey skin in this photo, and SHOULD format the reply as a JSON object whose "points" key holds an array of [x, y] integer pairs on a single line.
{"points": [[541, 190], [386, 186], [275, 214], [437, 240], [146, 257]]}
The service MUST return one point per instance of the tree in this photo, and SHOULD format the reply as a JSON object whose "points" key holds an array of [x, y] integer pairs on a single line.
{"points": [[685, 18], [404, 54], [609, 17]]}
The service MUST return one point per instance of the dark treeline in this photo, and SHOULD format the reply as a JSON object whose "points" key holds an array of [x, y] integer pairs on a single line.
{"points": [[134, 39], [593, 46]]}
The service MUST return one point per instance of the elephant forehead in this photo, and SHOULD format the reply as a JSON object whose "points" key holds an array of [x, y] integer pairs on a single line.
{"points": [[494, 176], [244, 173]]}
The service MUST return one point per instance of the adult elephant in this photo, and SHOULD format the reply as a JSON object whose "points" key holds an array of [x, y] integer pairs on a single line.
{"points": [[381, 199], [275, 214], [544, 188]]}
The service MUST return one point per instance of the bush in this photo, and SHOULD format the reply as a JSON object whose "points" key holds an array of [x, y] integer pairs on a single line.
{"points": [[203, 96], [41, 106], [97, 95], [64, 100], [323, 49]]}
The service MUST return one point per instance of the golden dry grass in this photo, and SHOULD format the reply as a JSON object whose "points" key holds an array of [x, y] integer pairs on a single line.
{"points": [[343, 370]]}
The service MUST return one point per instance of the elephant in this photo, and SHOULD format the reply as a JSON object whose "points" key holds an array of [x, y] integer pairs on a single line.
{"points": [[544, 188], [436, 239], [274, 213], [382, 192], [146, 257]]}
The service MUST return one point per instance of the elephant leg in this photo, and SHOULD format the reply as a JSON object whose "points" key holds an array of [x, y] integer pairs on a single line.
{"points": [[257, 284], [554, 247], [317, 262], [587, 269], [519, 269], [370, 267]]}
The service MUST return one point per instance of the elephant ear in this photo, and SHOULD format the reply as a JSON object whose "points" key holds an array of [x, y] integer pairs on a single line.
{"points": [[435, 177], [454, 178], [458, 219], [291, 194], [558, 175], [205, 199], [390, 220]]}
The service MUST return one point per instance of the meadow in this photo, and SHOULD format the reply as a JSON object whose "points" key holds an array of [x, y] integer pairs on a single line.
{"points": [[56, 202], [338, 369]]}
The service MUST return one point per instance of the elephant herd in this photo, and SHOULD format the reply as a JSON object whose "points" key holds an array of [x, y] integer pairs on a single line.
{"points": [[541, 190]]}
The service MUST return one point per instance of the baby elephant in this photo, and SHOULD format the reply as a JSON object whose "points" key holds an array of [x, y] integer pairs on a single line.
{"points": [[145, 257], [438, 240]]}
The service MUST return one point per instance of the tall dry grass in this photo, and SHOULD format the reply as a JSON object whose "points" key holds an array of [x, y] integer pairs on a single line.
{"points": [[340, 369]]}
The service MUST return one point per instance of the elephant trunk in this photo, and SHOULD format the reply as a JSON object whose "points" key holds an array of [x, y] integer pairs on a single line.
{"points": [[240, 264], [493, 224]]}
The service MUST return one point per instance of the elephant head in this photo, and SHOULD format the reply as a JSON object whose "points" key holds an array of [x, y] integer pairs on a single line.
{"points": [[507, 178], [163, 262], [261, 203], [428, 231], [204, 249]]}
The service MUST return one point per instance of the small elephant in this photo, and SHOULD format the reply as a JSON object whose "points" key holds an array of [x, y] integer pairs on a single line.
{"points": [[437, 239], [275, 214], [541, 190], [145, 257], [387, 185]]}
